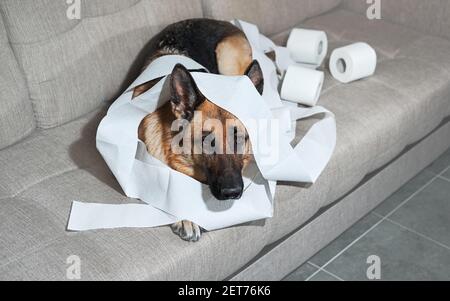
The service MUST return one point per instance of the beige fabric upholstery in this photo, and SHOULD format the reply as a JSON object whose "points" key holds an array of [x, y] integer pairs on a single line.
{"points": [[73, 66], [16, 115], [272, 16], [430, 16]]}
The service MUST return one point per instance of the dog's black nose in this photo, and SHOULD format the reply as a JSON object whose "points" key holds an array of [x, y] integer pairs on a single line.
{"points": [[231, 193], [228, 187]]}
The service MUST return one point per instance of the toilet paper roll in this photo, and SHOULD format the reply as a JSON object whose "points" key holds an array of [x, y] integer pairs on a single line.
{"points": [[353, 62], [302, 85], [309, 66], [308, 46]]}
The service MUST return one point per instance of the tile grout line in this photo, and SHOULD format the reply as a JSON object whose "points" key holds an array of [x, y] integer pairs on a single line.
{"points": [[415, 232], [325, 271], [444, 178], [439, 174], [379, 222]]}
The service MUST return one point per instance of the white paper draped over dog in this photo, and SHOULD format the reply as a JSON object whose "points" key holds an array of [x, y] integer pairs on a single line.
{"points": [[172, 196]]}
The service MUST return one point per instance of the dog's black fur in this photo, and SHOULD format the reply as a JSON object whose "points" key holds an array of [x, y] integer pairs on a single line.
{"points": [[194, 38]]}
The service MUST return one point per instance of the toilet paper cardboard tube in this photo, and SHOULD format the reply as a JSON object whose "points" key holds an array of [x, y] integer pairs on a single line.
{"points": [[302, 85]]}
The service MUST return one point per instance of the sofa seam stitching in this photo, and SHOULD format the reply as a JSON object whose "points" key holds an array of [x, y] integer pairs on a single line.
{"points": [[22, 73], [382, 82], [431, 64], [32, 185], [31, 250]]}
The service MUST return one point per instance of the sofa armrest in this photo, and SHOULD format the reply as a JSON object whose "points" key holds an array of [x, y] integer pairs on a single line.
{"points": [[430, 16]]}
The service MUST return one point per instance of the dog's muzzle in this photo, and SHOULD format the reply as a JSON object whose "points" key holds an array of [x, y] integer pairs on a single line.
{"points": [[228, 186]]}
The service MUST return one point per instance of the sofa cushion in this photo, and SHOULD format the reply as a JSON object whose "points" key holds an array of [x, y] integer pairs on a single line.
{"points": [[72, 66], [431, 16], [346, 26], [16, 114], [429, 49], [49, 153], [272, 16]]}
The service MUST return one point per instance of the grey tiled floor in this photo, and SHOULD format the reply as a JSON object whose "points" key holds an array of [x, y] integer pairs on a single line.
{"points": [[409, 232]]}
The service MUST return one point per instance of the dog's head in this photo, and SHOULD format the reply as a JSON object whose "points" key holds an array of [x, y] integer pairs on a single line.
{"points": [[213, 145]]}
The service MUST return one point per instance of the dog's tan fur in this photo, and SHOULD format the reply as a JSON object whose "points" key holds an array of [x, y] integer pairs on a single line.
{"points": [[234, 55], [155, 132]]}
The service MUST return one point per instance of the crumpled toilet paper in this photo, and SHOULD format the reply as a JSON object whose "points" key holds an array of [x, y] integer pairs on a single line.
{"points": [[171, 196]]}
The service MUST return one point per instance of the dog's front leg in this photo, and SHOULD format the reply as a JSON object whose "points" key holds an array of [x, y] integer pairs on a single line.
{"points": [[187, 231]]}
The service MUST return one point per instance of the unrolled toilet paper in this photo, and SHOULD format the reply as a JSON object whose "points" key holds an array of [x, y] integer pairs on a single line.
{"points": [[302, 85], [353, 62], [308, 46]]}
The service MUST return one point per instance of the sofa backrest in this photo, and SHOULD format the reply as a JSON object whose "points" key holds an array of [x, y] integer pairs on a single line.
{"points": [[73, 65], [16, 114], [429, 16], [272, 16], [67, 57]]}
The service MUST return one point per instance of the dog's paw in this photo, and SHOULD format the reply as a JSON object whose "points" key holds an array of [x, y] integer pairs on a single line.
{"points": [[188, 231]]}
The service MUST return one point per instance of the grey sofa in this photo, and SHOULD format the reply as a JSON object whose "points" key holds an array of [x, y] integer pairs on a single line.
{"points": [[58, 75]]}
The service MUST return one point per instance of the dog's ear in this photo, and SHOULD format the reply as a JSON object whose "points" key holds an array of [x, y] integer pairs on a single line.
{"points": [[185, 95], [255, 73]]}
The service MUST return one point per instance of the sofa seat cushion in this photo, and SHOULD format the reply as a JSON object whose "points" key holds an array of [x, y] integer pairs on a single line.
{"points": [[376, 119], [49, 153], [431, 16], [429, 49]]}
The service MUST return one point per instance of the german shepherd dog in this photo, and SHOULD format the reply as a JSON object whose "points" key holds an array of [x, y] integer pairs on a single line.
{"points": [[223, 49]]}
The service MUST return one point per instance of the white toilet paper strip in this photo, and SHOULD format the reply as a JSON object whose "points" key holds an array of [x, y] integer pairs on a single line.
{"points": [[308, 46], [172, 196], [353, 62], [302, 85]]}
